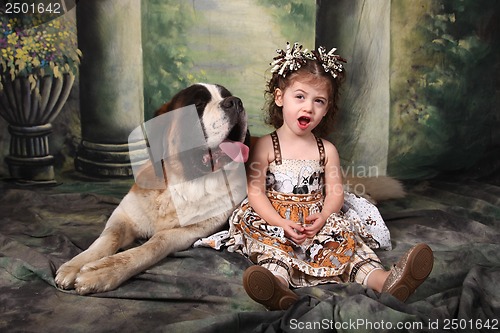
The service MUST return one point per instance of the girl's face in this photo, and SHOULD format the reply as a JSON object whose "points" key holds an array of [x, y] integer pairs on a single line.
{"points": [[304, 105]]}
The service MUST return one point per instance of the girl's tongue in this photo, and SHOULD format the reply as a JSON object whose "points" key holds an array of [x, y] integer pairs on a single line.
{"points": [[304, 122]]}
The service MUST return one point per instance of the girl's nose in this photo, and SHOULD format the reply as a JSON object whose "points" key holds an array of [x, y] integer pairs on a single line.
{"points": [[308, 107]]}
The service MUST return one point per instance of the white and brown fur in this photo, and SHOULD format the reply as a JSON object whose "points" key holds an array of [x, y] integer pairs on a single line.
{"points": [[150, 214], [375, 188]]}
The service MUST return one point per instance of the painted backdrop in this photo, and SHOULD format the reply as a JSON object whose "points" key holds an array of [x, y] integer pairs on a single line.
{"points": [[421, 97]]}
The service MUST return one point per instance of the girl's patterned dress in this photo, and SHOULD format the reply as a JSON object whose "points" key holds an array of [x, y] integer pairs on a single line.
{"points": [[340, 252]]}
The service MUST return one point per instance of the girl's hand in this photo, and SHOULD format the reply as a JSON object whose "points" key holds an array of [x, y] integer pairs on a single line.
{"points": [[293, 231], [317, 222]]}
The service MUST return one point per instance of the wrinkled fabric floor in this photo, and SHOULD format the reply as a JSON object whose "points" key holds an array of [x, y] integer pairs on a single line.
{"points": [[199, 290]]}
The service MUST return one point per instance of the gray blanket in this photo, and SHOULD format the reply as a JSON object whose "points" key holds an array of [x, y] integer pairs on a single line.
{"points": [[200, 290]]}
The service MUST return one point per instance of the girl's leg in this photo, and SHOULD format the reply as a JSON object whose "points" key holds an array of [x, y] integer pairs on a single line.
{"points": [[376, 279], [401, 281], [408, 274]]}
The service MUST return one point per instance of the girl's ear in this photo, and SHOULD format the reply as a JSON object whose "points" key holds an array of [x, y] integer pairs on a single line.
{"points": [[278, 97]]}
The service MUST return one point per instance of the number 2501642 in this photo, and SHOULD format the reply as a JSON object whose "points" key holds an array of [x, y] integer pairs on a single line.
{"points": [[33, 8]]}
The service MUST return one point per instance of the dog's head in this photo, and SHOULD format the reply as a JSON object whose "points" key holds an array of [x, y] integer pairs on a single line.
{"points": [[221, 114], [223, 136], [197, 143]]}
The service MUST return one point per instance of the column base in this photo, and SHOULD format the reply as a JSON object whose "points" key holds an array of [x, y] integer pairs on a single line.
{"points": [[109, 160], [29, 160], [32, 170]]}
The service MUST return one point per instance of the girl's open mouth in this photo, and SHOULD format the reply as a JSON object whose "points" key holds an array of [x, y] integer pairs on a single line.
{"points": [[304, 122]]}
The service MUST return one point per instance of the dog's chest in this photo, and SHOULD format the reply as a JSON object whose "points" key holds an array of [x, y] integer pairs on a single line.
{"points": [[212, 197], [207, 198]]}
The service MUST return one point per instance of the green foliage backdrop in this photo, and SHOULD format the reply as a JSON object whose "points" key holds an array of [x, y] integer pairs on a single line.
{"points": [[218, 41], [296, 18], [167, 62], [445, 55]]}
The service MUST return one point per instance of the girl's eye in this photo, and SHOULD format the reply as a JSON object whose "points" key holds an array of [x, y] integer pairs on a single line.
{"points": [[299, 96], [320, 101]]}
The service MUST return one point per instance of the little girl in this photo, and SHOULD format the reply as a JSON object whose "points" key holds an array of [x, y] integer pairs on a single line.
{"points": [[291, 225]]}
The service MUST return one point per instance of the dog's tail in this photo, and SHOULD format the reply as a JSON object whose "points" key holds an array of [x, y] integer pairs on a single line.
{"points": [[375, 189]]}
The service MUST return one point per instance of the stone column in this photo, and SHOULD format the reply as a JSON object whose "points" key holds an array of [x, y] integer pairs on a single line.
{"points": [[360, 29], [111, 85]]}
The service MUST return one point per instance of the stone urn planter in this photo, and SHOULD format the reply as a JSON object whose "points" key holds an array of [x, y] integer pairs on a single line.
{"points": [[30, 113], [39, 58]]}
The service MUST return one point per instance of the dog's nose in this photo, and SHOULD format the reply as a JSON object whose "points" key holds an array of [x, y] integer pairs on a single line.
{"points": [[232, 103]]}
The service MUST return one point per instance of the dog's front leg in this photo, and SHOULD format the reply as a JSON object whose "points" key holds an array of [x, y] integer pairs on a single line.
{"points": [[115, 235], [109, 272]]}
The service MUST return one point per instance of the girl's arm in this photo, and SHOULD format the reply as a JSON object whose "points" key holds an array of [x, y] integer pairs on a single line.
{"points": [[260, 156], [334, 191]]}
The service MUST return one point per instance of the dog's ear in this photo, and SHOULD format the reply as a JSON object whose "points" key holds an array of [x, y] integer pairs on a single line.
{"points": [[163, 109], [248, 139], [150, 176]]}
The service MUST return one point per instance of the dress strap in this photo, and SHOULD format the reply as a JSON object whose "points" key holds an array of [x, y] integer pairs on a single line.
{"points": [[276, 146], [277, 149], [321, 150]]}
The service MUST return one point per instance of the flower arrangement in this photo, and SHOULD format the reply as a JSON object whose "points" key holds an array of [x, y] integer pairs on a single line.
{"points": [[29, 47]]}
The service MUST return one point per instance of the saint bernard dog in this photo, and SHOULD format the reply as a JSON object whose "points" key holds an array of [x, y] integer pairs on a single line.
{"points": [[173, 216]]}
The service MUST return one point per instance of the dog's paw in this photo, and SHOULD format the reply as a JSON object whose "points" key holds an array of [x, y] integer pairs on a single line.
{"points": [[66, 275], [97, 277]]}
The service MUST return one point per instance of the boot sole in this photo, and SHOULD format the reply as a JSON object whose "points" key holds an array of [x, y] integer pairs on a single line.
{"points": [[417, 269], [263, 287]]}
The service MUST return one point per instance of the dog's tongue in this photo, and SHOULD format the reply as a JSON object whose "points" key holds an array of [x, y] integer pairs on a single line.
{"points": [[236, 150]]}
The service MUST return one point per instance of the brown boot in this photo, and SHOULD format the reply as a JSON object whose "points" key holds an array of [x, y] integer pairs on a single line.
{"points": [[265, 288], [410, 272]]}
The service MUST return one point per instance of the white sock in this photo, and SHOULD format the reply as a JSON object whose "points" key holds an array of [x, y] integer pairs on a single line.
{"points": [[370, 273]]}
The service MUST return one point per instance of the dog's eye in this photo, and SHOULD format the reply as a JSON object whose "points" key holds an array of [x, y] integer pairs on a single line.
{"points": [[199, 104]]}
